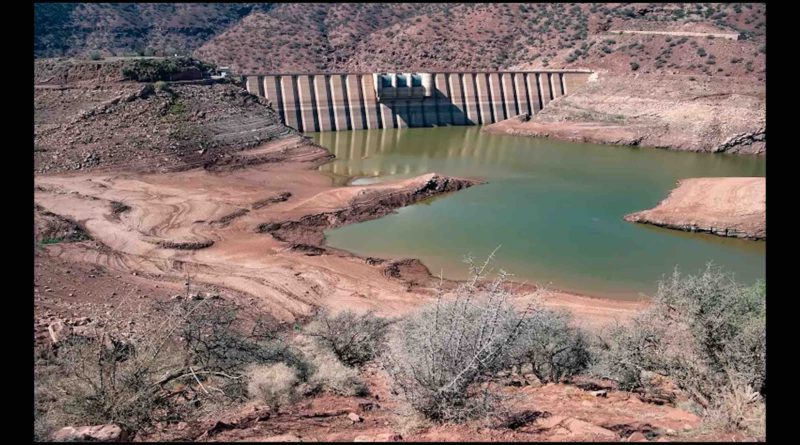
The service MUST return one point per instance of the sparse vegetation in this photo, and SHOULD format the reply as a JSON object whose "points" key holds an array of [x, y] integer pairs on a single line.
{"points": [[440, 354], [194, 354], [162, 86], [708, 334], [177, 108], [153, 70]]}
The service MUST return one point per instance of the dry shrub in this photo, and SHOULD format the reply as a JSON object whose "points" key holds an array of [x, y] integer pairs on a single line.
{"points": [[439, 355], [553, 348], [275, 385], [705, 332], [116, 374], [740, 408], [355, 339], [329, 374], [135, 368]]}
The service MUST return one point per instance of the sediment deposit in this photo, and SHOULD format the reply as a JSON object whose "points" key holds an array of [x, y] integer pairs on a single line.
{"points": [[733, 207]]}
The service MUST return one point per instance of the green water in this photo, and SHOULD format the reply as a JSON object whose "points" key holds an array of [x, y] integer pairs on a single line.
{"points": [[554, 208]]}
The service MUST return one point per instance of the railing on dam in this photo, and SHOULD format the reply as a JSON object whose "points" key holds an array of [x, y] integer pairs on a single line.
{"points": [[331, 102]]}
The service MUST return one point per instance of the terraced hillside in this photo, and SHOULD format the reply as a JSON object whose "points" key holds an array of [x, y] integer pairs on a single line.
{"points": [[87, 115]]}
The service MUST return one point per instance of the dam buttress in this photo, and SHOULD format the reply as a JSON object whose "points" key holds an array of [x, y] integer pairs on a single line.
{"points": [[333, 102]]}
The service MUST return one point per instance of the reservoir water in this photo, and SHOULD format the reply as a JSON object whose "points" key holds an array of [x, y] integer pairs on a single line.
{"points": [[554, 208]]}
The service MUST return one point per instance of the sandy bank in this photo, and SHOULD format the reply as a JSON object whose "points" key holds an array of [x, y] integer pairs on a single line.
{"points": [[723, 206]]}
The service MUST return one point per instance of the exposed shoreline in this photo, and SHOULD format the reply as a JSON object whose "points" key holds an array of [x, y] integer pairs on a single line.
{"points": [[732, 207], [674, 112], [288, 271]]}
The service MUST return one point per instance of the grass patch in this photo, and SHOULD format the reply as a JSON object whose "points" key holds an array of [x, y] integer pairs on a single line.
{"points": [[48, 241], [178, 108]]}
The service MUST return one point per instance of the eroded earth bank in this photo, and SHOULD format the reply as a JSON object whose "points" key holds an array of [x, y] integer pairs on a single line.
{"points": [[672, 111], [734, 207]]}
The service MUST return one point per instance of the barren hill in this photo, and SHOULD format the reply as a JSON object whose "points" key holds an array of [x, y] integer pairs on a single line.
{"points": [[88, 115], [352, 37], [436, 36]]}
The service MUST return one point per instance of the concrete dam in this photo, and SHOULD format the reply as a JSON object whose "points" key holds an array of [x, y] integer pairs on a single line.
{"points": [[333, 102]]}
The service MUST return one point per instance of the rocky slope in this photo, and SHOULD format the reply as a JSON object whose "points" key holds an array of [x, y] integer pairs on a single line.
{"points": [[435, 36], [86, 115], [678, 112], [115, 29], [349, 37], [734, 207]]}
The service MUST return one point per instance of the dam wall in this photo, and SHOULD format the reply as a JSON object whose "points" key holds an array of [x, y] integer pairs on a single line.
{"points": [[347, 101]]}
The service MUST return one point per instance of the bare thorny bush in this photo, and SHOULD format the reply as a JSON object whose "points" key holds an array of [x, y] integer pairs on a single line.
{"points": [[552, 348], [443, 356], [354, 338], [139, 372], [708, 334]]}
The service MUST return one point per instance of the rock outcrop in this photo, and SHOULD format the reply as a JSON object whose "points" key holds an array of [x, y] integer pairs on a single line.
{"points": [[97, 433]]}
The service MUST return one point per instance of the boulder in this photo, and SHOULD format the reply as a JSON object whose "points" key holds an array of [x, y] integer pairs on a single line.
{"points": [[59, 331], [96, 433], [576, 428], [355, 418], [637, 436], [599, 393], [383, 437], [280, 438]]}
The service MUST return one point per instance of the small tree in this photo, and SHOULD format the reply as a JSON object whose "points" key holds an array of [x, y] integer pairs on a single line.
{"points": [[156, 369]]}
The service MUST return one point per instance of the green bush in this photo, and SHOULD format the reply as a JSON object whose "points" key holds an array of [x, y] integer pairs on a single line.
{"points": [[95, 55], [634, 66], [152, 70], [161, 86]]}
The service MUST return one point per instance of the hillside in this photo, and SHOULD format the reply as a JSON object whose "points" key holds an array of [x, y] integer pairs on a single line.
{"points": [[118, 29], [445, 36], [678, 112], [89, 115], [353, 37]]}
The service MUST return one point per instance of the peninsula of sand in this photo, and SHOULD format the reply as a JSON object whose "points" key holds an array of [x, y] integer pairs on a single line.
{"points": [[735, 207]]}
